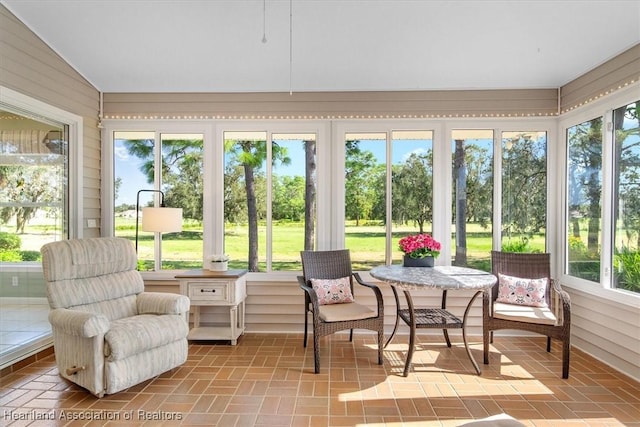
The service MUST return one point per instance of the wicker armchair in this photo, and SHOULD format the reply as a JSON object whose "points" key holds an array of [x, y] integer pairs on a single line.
{"points": [[328, 319], [554, 321]]}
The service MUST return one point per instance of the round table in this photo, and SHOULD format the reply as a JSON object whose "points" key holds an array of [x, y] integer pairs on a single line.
{"points": [[444, 278]]}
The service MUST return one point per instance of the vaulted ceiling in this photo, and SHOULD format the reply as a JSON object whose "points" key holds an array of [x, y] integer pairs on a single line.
{"points": [[331, 45]]}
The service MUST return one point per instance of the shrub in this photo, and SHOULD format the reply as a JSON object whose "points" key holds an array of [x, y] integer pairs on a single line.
{"points": [[9, 241], [30, 255], [627, 266], [10, 256], [521, 245]]}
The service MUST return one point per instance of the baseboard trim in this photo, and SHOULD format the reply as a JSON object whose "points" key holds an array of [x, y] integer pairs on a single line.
{"points": [[37, 356]]}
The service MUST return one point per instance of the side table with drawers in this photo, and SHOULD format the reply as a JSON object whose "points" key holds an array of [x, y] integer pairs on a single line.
{"points": [[224, 289]]}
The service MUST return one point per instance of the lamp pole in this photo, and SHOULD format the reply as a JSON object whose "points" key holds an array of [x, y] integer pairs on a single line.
{"points": [[138, 209]]}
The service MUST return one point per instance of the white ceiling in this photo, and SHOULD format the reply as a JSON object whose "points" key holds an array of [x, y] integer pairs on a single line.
{"points": [[332, 45]]}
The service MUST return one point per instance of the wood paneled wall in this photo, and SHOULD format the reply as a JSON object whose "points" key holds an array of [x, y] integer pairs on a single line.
{"points": [[32, 68], [602, 80], [333, 105]]}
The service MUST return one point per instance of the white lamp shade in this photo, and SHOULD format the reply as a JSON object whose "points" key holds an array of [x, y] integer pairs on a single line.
{"points": [[162, 220]]}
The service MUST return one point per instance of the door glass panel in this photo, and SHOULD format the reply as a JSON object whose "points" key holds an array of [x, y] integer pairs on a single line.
{"points": [[373, 223], [365, 195], [137, 180], [472, 198], [245, 199], [626, 261], [524, 191], [182, 184], [34, 185], [584, 193], [412, 186], [133, 161], [293, 198]]}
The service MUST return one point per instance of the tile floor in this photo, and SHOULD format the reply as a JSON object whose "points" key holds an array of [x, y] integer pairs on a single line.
{"points": [[268, 380], [22, 328]]}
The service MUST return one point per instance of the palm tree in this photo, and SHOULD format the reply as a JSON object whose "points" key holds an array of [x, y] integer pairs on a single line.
{"points": [[252, 154]]}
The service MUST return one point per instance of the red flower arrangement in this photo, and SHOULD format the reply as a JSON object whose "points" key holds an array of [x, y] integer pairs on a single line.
{"points": [[419, 246]]}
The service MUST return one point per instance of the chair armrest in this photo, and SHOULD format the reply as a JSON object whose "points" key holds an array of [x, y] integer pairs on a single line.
{"points": [[162, 303], [564, 300], [313, 298], [79, 323], [376, 290]]}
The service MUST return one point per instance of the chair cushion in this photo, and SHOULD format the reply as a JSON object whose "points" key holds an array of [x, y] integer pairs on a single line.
{"points": [[344, 312], [516, 290], [333, 291], [523, 313], [136, 334]]}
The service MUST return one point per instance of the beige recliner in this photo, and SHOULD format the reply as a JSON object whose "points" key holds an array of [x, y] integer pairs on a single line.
{"points": [[108, 333]]}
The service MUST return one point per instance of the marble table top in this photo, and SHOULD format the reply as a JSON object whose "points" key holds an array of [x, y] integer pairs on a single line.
{"points": [[440, 277]]}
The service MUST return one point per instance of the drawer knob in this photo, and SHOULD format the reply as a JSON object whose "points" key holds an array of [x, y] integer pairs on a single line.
{"points": [[208, 290]]}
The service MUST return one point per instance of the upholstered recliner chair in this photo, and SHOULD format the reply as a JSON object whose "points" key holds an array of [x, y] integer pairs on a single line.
{"points": [[109, 334]]}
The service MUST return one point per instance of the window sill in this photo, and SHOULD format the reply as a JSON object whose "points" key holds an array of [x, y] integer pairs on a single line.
{"points": [[627, 298]]}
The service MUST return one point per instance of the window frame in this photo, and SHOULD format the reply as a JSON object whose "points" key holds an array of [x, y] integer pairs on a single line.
{"points": [[75, 190], [214, 212], [213, 165], [158, 127], [387, 127], [330, 169], [498, 126], [599, 108]]}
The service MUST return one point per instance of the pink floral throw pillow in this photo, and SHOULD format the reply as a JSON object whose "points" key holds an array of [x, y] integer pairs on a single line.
{"points": [[332, 291], [515, 290]]}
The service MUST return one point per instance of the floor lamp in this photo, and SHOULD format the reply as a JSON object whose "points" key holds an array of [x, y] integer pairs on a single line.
{"points": [[158, 220]]}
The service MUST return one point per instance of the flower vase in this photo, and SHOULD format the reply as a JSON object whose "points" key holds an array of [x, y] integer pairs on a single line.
{"points": [[418, 262], [218, 266]]}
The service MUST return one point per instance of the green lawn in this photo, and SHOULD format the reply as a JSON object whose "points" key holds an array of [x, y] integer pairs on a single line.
{"points": [[184, 250]]}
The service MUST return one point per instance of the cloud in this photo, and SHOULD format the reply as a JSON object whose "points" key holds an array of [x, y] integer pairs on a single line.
{"points": [[121, 153], [417, 151]]}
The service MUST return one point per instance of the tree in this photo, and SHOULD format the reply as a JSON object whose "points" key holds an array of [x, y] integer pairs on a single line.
{"points": [[288, 198], [31, 188], [524, 186], [235, 206], [585, 183], [412, 187], [309, 194], [358, 174], [479, 183], [252, 155], [460, 178], [627, 161], [181, 171]]}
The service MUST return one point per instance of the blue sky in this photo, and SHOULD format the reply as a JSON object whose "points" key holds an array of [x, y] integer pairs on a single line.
{"points": [[128, 168]]}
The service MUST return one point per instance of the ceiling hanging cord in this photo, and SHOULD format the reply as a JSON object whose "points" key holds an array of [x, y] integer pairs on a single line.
{"points": [[290, 47], [264, 21]]}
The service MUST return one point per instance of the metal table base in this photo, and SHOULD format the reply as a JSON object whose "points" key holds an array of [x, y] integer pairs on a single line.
{"points": [[430, 318]]}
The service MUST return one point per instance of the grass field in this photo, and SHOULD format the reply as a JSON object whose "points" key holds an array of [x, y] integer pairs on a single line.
{"points": [[366, 243]]}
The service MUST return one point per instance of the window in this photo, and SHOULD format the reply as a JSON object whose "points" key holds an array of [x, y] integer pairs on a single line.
{"points": [[39, 194], [34, 170], [374, 219], [472, 197], [524, 191], [269, 198], [626, 200], [584, 199], [139, 180]]}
